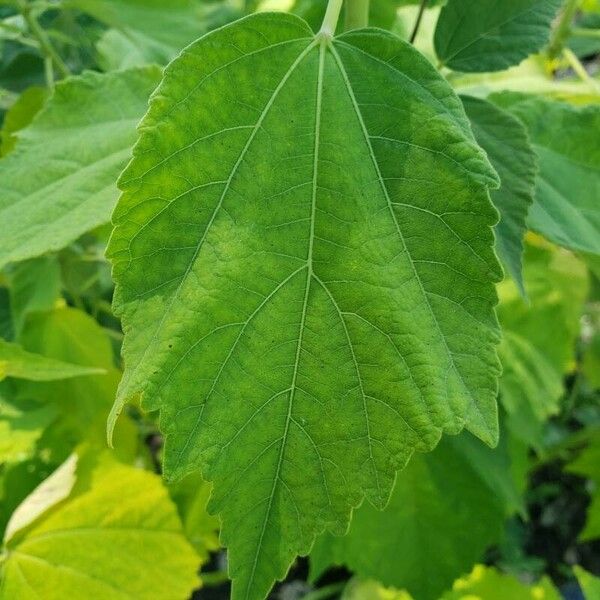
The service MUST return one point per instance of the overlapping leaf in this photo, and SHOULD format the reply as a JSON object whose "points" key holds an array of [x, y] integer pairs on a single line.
{"points": [[489, 35], [447, 507], [304, 263], [59, 181], [119, 539], [505, 140], [566, 208]]}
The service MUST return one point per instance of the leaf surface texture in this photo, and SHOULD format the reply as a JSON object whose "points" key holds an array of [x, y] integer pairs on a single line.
{"points": [[304, 263]]}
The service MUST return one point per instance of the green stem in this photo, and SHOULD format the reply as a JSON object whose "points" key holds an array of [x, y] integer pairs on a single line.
{"points": [[332, 14], [415, 31], [357, 14], [580, 69], [586, 33], [563, 29], [45, 44]]}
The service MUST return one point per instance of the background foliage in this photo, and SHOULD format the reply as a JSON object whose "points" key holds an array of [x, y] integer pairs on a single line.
{"points": [[81, 521]]}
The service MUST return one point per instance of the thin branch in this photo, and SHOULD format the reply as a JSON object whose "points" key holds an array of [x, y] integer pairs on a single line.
{"points": [[422, 7]]}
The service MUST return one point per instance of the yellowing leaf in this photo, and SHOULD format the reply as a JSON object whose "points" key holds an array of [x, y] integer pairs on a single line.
{"points": [[119, 539]]}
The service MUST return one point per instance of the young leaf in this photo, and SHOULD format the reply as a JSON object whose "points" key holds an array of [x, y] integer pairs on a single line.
{"points": [[76, 146], [504, 138], [447, 507], [304, 263], [16, 362], [119, 539], [489, 35], [566, 208]]}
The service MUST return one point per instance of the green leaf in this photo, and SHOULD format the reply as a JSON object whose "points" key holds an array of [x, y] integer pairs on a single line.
{"points": [[587, 465], [535, 359], [16, 362], [158, 30], [360, 589], [505, 140], [20, 115], [20, 429], [491, 36], [34, 287], [191, 496], [590, 584], [491, 584], [447, 507], [76, 155], [566, 208], [121, 538], [72, 335], [305, 279]]}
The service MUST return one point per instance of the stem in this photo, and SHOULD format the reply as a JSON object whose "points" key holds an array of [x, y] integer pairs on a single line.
{"points": [[563, 29], [357, 14], [580, 69], [332, 14], [45, 44], [422, 7]]}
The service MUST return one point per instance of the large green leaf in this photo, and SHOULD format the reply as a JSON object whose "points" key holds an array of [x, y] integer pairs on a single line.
{"points": [[447, 507], [566, 209], [17, 362], [304, 263], [489, 35], [119, 539], [59, 181], [505, 140]]}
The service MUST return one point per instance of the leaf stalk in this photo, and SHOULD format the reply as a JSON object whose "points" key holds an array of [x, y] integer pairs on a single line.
{"points": [[44, 41], [357, 14], [332, 14], [415, 31], [563, 29]]}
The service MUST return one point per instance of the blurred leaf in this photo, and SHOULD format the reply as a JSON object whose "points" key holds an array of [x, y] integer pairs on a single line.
{"points": [[50, 492], [20, 115], [505, 140], [16, 362], [447, 507], [21, 425], [566, 209], [77, 146], [535, 356], [157, 30], [83, 404], [34, 286], [590, 584], [489, 35], [119, 538], [367, 589], [587, 464], [487, 583], [191, 496]]}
